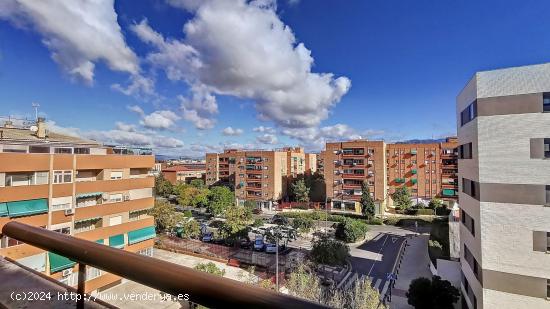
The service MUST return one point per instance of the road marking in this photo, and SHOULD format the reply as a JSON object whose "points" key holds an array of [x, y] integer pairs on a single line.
{"points": [[385, 239], [377, 284], [386, 285], [393, 239]]}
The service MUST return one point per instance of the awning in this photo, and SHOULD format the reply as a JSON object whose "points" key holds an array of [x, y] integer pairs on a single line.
{"points": [[27, 208], [100, 241], [448, 192], [89, 194], [141, 235], [413, 151], [59, 262], [414, 181], [413, 171], [3, 210], [116, 241]]}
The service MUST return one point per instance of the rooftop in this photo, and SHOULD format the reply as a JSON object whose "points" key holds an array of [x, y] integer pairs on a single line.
{"points": [[14, 135], [185, 167], [513, 81]]}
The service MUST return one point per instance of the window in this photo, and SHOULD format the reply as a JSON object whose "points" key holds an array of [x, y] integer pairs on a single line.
{"points": [[82, 150], [547, 288], [63, 230], [465, 151], [87, 225], [547, 147], [63, 150], [546, 102], [116, 220], [474, 265], [548, 195], [38, 149], [116, 175], [469, 113], [6, 242], [92, 272], [470, 187], [137, 215], [62, 177], [113, 198], [468, 222], [61, 203], [146, 251]]}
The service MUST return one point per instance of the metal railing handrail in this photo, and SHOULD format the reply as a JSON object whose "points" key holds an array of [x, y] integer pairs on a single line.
{"points": [[203, 288]]}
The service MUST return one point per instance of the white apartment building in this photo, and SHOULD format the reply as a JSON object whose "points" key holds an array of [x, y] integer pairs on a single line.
{"points": [[504, 177]]}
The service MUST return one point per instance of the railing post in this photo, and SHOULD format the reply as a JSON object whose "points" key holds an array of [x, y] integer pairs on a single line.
{"points": [[81, 282]]}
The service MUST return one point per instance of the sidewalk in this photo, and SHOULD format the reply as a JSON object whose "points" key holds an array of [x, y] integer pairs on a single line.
{"points": [[415, 264]]}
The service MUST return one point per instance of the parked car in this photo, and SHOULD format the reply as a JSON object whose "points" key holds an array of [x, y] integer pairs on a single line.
{"points": [[270, 248], [246, 244], [279, 220], [259, 244], [257, 211], [207, 237]]}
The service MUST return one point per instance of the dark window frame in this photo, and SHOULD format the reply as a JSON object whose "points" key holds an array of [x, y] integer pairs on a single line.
{"points": [[546, 102], [469, 113]]}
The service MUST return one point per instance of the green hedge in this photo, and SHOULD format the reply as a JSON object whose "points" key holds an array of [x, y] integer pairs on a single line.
{"points": [[419, 211], [351, 230], [321, 215]]}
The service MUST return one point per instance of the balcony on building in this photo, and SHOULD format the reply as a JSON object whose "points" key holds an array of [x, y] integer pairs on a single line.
{"points": [[414, 152], [399, 180], [449, 193], [353, 152]]}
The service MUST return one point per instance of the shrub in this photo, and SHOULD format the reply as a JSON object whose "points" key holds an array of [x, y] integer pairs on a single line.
{"points": [[407, 221], [303, 225], [351, 230], [210, 268], [442, 211], [376, 221], [435, 203], [258, 223], [329, 251], [424, 293], [188, 213]]}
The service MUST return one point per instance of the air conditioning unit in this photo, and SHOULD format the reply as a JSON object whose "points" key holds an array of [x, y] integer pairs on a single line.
{"points": [[105, 196], [69, 211], [67, 272]]}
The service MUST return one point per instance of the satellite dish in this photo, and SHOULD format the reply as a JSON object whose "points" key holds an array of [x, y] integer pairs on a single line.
{"points": [[33, 128]]}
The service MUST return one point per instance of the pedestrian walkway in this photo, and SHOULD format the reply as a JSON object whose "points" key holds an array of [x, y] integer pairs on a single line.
{"points": [[415, 264]]}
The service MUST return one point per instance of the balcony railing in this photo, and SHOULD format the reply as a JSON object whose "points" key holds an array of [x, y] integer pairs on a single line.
{"points": [[205, 289]]}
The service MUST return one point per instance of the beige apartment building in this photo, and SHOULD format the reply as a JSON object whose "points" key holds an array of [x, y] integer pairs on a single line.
{"points": [[184, 173], [75, 187], [258, 175], [504, 171], [427, 170]]}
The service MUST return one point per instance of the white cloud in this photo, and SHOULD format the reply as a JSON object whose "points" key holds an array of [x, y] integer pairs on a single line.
{"points": [[78, 34], [262, 129], [270, 139], [200, 109], [136, 109], [241, 48], [125, 127], [315, 138], [162, 120], [133, 138], [229, 131], [139, 86]]}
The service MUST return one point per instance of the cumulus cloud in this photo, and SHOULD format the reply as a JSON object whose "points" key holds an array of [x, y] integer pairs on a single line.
{"points": [[162, 120], [229, 131], [241, 48], [139, 86], [270, 139], [315, 138], [78, 34], [262, 129], [199, 109], [136, 109], [133, 138], [125, 127]]}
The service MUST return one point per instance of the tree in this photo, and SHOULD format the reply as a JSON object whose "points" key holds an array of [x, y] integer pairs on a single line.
{"points": [[197, 183], [192, 196], [162, 186], [402, 198], [367, 202], [166, 218], [302, 224], [191, 229], [435, 203], [236, 223], [329, 251], [304, 284], [250, 204], [300, 191], [210, 268], [363, 296], [432, 294], [351, 230], [220, 199]]}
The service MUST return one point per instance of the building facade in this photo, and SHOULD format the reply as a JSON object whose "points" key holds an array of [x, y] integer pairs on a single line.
{"points": [[504, 172], [262, 176], [184, 173], [427, 170], [75, 187]]}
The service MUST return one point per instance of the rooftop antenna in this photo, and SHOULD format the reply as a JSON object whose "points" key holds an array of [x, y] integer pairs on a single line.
{"points": [[35, 106]]}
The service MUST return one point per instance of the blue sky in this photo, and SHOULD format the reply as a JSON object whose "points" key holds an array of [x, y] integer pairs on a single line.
{"points": [[188, 76]]}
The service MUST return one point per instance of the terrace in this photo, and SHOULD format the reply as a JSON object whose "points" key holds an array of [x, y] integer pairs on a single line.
{"points": [[204, 289]]}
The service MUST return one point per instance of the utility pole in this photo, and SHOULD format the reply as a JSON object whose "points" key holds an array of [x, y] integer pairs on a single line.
{"points": [[277, 263]]}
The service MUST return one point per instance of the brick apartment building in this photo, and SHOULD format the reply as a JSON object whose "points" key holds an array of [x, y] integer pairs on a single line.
{"points": [[184, 173], [427, 170], [258, 175], [75, 187], [504, 170]]}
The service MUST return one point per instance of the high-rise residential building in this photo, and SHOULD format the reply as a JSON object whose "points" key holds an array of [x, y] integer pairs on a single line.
{"points": [[427, 170], [262, 176], [347, 165], [75, 187], [504, 172]]}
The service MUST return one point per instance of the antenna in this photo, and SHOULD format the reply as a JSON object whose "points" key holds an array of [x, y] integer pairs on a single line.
{"points": [[35, 106]]}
